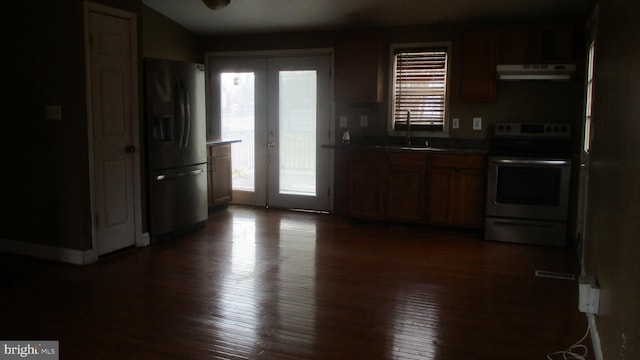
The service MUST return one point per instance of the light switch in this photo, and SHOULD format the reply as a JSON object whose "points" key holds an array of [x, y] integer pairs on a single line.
{"points": [[455, 123], [364, 121], [477, 123], [343, 121], [54, 112]]}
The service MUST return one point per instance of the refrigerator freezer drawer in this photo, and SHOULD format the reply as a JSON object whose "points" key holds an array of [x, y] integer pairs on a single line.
{"points": [[177, 199]]}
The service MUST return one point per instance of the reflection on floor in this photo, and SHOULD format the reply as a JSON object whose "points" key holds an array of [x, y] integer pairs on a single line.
{"points": [[269, 284]]}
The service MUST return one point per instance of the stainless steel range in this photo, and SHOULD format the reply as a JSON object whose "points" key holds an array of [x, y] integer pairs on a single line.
{"points": [[529, 174]]}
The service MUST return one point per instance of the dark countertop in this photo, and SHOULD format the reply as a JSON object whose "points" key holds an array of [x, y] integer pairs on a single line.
{"points": [[402, 148], [222, 142]]}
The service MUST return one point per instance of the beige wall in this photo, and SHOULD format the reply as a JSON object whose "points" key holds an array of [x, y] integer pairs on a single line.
{"points": [[164, 39], [613, 223]]}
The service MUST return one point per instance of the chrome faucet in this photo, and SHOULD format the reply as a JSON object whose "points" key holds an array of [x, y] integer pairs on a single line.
{"points": [[408, 128]]}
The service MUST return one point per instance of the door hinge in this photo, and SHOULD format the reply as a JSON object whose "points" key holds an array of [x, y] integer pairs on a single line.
{"points": [[329, 192], [90, 39], [97, 221]]}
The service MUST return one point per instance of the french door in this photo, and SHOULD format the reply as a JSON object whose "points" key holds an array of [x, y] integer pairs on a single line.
{"points": [[280, 109]]}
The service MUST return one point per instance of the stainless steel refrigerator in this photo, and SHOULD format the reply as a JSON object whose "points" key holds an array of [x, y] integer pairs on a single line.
{"points": [[175, 129]]}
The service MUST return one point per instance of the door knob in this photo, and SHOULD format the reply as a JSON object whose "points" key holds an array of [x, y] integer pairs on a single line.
{"points": [[129, 149]]}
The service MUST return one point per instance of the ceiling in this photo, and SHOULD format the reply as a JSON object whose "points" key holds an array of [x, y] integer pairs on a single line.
{"points": [[259, 16]]}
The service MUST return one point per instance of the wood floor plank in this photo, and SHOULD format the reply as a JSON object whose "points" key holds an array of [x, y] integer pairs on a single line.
{"points": [[271, 284]]}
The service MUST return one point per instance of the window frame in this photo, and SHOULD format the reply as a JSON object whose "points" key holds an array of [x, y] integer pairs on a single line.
{"points": [[394, 48], [589, 91]]}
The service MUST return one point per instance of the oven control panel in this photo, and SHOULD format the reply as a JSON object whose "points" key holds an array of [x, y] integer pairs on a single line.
{"points": [[533, 130]]}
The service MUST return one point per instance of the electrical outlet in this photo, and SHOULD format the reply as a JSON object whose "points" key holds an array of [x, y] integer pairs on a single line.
{"points": [[455, 123], [364, 121], [583, 295], [343, 121], [477, 123], [588, 297]]}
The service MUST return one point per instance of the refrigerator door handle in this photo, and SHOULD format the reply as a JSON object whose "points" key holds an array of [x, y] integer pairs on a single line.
{"points": [[181, 111], [178, 175], [187, 132]]}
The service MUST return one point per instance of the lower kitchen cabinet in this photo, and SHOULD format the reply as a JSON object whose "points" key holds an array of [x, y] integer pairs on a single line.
{"points": [[219, 174], [405, 187], [367, 176], [417, 187], [457, 190]]}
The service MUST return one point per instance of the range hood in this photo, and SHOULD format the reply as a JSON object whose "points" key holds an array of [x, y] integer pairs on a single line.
{"points": [[555, 72]]}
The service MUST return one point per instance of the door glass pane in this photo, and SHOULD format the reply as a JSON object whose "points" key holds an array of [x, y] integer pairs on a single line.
{"points": [[297, 132], [237, 106]]}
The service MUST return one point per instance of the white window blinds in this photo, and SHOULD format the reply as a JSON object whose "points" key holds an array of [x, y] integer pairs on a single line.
{"points": [[420, 86]]}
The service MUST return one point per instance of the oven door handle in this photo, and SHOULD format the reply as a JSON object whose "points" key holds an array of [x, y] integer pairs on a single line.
{"points": [[531, 162]]}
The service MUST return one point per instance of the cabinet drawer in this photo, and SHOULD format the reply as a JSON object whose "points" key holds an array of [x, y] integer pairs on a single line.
{"points": [[220, 150], [458, 161], [407, 158], [367, 158]]}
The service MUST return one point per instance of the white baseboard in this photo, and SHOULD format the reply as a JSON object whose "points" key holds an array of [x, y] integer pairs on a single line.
{"points": [[77, 257], [595, 337]]}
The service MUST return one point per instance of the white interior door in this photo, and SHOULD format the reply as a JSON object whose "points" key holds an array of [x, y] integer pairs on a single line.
{"points": [[280, 107], [113, 114]]}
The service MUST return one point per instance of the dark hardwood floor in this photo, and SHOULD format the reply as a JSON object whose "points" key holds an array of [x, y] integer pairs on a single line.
{"points": [[269, 284]]}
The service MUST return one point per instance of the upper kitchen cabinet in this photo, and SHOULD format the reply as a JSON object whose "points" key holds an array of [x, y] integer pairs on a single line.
{"points": [[536, 45], [479, 58], [359, 67]]}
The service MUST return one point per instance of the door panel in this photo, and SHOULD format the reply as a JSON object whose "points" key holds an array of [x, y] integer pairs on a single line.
{"points": [[299, 121], [115, 189], [163, 135], [193, 95], [239, 111], [112, 117]]}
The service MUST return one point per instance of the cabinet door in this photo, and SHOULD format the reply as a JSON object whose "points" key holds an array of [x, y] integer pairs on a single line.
{"points": [[358, 68], [520, 45], [469, 198], [405, 194], [366, 189], [210, 181], [457, 190], [536, 44], [479, 58], [557, 44], [441, 186], [222, 180], [219, 174]]}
